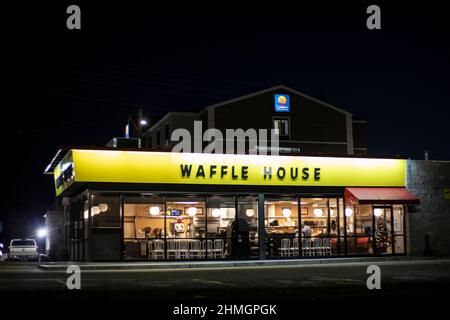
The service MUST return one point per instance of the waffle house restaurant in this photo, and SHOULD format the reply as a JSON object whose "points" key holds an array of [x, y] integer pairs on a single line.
{"points": [[143, 205]]}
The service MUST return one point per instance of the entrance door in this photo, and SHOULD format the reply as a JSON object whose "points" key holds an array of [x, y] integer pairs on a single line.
{"points": [[382, 219], [106, 230], [245, 235]]}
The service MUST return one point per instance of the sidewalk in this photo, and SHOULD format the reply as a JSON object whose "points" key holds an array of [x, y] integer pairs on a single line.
{"points": [[216, 264]]}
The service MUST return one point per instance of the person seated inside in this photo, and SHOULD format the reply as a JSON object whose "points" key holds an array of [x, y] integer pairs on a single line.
{"points": [[156, 233], [146, 231]]}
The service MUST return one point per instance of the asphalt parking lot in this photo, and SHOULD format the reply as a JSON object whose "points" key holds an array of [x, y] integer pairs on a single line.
{"points": [[400, 280]]}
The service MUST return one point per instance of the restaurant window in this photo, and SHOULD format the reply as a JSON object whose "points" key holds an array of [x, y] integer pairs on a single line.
{"points": [[335, 221], [399, 229], [318, 237], [281, 223], [221, 214], [360, 231], [86, 219], [282, 124], [315, 217], [143, 223], [383, 229], [105, 212], [334, 218], [341, 228], [185, 227], [244, 231], [185, 217]]}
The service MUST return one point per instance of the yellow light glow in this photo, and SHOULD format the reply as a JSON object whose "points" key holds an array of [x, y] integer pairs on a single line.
{"points": [[113, 166]]}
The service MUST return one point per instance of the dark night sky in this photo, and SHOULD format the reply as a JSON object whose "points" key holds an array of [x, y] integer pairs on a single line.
{"points": [[78, 87]]}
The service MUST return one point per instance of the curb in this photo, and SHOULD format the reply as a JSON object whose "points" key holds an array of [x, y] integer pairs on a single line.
{"points": [[217, 264]]}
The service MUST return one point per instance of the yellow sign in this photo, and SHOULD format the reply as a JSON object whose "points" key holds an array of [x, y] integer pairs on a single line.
{"points": [[447, 193], [113, 166]]}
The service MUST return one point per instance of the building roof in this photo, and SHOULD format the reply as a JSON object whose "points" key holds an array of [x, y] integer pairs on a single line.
{"points": [[250, 95], [278, 87]]}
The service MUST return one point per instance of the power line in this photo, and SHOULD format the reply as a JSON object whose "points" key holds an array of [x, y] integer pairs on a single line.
{"points": [[63, 94], [159, 72], [144, 81], [131, 87], [68, 126]]}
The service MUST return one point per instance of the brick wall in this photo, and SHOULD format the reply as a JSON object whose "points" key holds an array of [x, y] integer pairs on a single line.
{"points": [[427, 180]]}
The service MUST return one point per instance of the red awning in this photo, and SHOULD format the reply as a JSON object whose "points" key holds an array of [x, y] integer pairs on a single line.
{"points": [[379, 195]]}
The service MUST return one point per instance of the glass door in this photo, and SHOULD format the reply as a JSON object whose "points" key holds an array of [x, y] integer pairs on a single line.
{"points": [[382, 220]]}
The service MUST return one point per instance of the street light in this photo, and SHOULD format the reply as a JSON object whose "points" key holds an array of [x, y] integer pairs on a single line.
{"points": [[142, 122], [41, 233]]}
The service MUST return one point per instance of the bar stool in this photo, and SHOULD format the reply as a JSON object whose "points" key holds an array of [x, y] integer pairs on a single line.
{"points": [[316, 246], [285, 247], [196, 249], [183, 249], [294, 249], [172, 249], [326, 247], [158, 249], [306, 247], [218, 248], [207, 248]]}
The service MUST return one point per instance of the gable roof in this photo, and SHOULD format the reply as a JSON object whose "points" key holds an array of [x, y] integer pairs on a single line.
{"points": [[278, 87], [250, 95]]}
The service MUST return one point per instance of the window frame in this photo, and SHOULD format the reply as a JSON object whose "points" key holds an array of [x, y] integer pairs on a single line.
{"points": [[281, 118]]}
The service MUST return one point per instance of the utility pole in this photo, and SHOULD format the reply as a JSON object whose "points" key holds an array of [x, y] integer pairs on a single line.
{"points": [[139, 126]]}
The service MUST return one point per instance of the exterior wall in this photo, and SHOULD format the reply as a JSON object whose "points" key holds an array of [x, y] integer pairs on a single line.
{"points": [[174, 120], [309, 121], [315, 127], [359, 138], [54, 222], [427, 180]]}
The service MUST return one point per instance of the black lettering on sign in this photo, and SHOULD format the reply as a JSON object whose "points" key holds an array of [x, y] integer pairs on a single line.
{"points": [[186, 170], [316, 173], [268, 172], [233, 175], [294, 174], [212, 170], [223, 171], [244, 172], [281, 172], [305, 174], [200, 171]]}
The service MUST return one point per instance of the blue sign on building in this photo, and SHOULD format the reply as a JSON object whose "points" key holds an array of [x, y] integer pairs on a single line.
{"points": [[282, 103]]}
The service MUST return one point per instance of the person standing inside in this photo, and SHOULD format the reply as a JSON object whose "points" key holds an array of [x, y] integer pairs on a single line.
{"points": [[306, 231]]}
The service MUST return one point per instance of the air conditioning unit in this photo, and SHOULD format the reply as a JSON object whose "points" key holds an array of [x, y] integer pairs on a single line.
{"points": [[121, 142]]}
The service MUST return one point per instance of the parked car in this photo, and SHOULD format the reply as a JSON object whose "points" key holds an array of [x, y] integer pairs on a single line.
{"points": [[23, 249], [2, 254]]}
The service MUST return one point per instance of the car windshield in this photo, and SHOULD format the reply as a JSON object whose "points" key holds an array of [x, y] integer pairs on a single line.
{"points": [[23, 243]]}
